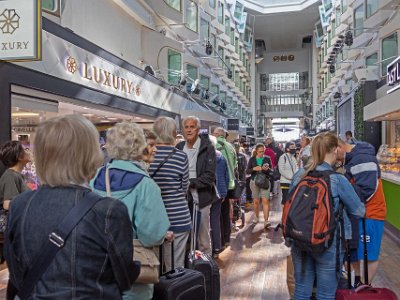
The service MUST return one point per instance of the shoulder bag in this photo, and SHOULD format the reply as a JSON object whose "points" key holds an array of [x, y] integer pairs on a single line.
{"points": [[147, 257], [262, 180]]}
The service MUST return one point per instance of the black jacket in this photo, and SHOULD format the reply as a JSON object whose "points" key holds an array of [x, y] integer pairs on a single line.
{"points": [[253, 163], [205, 170]]}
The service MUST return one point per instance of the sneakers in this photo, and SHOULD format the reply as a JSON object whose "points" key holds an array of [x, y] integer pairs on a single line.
{"points": [[255, 221], [267, 224]]}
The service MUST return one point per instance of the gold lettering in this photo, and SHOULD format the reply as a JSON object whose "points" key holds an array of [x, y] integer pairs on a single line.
{"points": [[115, 82], [85, 72], [107, 78], [97, 74], [123, 85], [130, 87]]}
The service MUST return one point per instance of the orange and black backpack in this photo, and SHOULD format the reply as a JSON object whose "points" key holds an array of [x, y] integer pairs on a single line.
{"points": [[308, 218]]}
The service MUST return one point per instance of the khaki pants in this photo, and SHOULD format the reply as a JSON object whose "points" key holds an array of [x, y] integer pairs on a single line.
{"points": [[290, 276]]}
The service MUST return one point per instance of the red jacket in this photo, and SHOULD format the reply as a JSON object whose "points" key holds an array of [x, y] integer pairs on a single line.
{"points": [[269, 152]]}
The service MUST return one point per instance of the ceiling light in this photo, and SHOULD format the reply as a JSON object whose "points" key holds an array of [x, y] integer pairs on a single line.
{"points": [[25, 114]]}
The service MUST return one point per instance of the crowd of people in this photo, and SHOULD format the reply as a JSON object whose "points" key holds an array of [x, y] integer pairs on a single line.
{"points": [[153, 184]]}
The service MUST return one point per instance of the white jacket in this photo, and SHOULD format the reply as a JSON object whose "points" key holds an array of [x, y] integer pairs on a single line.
{"points": [[287, 167]]}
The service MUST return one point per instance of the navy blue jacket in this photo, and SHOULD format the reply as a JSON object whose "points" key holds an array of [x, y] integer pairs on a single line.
{"points": [[96, 261], [222, 175]]}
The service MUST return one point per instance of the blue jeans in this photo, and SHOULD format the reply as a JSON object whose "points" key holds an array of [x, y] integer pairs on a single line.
{"points": [[316, 266]]}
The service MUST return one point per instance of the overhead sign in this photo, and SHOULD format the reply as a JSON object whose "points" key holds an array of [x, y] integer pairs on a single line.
{"points": [[233, 124], [20, 30], [250, 131], [393, 75]]}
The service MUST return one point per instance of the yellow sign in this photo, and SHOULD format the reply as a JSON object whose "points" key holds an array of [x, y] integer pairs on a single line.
{"points": [[20, 30]]}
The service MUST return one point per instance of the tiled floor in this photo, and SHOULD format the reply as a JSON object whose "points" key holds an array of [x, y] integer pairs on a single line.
{"points": [[254, 266]]}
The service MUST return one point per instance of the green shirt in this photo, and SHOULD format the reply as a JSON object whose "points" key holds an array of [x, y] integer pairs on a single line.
{"points": [[259, 161]]}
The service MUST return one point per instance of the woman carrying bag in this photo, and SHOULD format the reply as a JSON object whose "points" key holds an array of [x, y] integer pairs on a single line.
{"points": [[287, 167], [259, 168]]}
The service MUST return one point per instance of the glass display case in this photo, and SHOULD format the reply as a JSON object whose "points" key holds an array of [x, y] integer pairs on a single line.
{"points": [[389, 159]]}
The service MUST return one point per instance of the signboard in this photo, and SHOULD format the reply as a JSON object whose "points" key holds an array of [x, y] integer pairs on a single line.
{"points": [[20, 30], [393, 75], [250, 131], [233, 124]]}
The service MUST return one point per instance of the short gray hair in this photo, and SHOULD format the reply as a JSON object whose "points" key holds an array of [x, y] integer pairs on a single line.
{"points": [[193, 118], [220, 131], [165, 129], [125, 141]]}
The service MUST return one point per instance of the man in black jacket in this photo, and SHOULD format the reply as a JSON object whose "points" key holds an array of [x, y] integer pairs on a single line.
{"points": [[202, 168]]}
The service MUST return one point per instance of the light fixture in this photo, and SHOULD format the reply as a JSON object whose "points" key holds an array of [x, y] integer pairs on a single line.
{"points": [[195, 87], [24, 114], [332, 69], [229, 74], [209, 48], [337, 95], [182, 80], [348, 40]]}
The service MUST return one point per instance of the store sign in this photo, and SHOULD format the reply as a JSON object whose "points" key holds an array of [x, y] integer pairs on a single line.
{"points": [[393, 75], [250, 131], [233, 124], [24, 129], [20, 30]]}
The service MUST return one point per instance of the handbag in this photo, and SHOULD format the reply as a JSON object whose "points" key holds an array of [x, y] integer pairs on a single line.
{"points": [[146, 255], [3, 220], [238, 190], [262, 180]]}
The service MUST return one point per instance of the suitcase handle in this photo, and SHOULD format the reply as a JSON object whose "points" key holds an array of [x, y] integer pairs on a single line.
{"points": [[162, 257], [366, 287], [175, 273]]}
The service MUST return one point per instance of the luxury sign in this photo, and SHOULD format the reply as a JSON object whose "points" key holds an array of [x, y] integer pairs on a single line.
{"points": [[20, 30], [393, 75], [103, 77]]}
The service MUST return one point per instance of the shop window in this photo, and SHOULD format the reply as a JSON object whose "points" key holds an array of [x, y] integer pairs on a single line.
{"points": [[237, 45], [191, 15], [176, 4], [204, 29], [343, 5], [191, 72], [211, 3], [337, 17], [358, 20], [227, 26], [205, 82], [371, 60], [389, 51], [215, 89], [220, 12], [371, 7], [51, 6], [232, 36], [174, 66]]}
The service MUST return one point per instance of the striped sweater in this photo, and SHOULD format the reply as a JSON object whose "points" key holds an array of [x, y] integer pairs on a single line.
{"points": [[173, 180]]}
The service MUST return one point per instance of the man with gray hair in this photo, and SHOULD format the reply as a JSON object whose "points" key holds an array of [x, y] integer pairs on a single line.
{"points": [[202, 168]]}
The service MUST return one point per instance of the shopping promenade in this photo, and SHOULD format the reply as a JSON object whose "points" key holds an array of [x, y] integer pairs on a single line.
{"points": [[254, 266]]}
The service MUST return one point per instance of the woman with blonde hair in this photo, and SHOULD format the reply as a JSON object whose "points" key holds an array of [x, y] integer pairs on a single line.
{"points": [[95, 261], [260, 163], [309, 265], [133, 186]]}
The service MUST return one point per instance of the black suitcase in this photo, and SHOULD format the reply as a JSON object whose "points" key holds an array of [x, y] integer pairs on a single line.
{"points": [[179, 284], [205, 264]]}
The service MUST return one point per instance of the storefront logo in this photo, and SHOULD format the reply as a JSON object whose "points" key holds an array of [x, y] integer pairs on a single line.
{"points": [[393, 75], [9, 21], [71, 65], [101, 76]]}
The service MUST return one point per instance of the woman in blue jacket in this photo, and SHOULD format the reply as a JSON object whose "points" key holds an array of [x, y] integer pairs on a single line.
{"points": [[322, 266], [134, 187]]}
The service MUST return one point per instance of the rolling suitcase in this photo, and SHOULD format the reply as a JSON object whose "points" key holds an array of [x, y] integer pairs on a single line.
{"points": [[363, 292], [204, 263], [179, 284]]}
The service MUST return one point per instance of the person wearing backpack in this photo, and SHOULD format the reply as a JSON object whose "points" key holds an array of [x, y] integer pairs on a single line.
{"points": [[311, 258], [287, 167]]}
